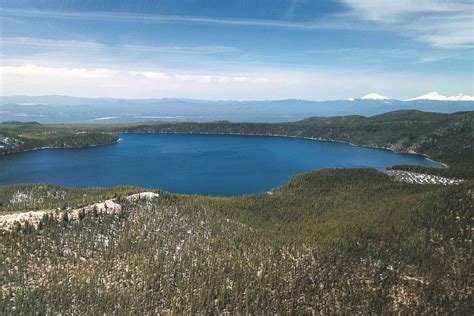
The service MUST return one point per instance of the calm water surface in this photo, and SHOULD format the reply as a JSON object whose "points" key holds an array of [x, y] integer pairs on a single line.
{"points": [[197, 164]]}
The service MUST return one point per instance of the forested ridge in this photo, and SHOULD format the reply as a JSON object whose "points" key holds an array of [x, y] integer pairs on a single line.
{"points": [[19, 137], [331, 241]]}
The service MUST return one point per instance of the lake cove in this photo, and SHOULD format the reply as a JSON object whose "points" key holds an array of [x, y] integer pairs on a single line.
{"points": [[194, 164]]}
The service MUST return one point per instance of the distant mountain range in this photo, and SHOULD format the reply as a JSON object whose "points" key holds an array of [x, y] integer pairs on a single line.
{"points": [[432, 96], [435, 96], [56, 109]]}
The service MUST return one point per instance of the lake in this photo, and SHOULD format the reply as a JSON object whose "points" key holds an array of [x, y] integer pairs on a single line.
{"points": [[196, 164]]}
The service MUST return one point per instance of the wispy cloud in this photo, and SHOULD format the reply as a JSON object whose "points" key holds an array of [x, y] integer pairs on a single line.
{"points": [[157, 18], [370, 56], [446, 24], [74, 44], [447, 31], [397, 11], [182, 49], [153, 18], [49, 43]]}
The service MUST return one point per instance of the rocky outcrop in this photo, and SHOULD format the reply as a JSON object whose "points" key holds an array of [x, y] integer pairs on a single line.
{"points": [[106, 207]]}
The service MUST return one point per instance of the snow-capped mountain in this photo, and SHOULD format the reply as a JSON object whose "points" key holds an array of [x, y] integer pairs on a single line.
{"points": [[374, 96], [435, 96], [461, 97]]}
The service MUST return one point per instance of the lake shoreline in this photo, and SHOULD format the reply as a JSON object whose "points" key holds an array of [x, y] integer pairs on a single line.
{"points": [[55, 147], [197, 164], [442, 164]]}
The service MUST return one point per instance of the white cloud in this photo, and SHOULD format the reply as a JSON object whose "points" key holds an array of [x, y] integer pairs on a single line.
{"points": [[392, 11], [29, 70], [446, 31], [306, 83], [35, 79], [447, 24]]}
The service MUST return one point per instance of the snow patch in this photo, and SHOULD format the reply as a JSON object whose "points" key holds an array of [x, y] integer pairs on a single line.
{"points": [[105, 118], [420, 178]]}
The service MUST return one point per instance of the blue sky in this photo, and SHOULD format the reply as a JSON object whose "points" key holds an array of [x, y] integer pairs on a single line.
{"points": [[271, 49]]}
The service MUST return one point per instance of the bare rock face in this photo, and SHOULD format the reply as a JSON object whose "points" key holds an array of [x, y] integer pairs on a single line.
{"points": [[404, 145], [106, 207], [33, 217]]}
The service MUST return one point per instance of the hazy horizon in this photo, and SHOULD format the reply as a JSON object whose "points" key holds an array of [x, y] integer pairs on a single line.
{"points": [[355, 98]]}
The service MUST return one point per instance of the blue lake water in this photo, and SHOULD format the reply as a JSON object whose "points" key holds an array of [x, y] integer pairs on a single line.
{"points": [[197, 164]]}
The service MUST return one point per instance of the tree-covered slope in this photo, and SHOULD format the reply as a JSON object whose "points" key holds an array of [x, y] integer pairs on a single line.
{"points": [[19, 137], [330, 241]]}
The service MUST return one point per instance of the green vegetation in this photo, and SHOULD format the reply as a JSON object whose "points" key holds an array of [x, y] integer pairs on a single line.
{"points": [[19, 137], [331, 241], [19, 197]]}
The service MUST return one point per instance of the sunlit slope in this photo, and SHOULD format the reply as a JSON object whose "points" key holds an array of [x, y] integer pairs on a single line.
{"points": [[341, 241]]}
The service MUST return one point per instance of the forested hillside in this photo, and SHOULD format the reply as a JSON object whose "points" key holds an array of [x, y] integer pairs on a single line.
{"points": [[330, 241], [19, 137]]}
